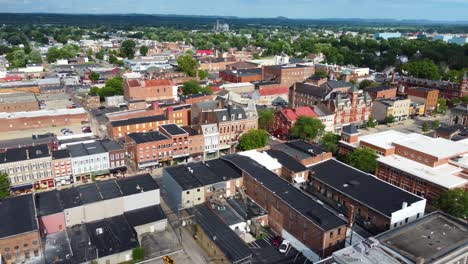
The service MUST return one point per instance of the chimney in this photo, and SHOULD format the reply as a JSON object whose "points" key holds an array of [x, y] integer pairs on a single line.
{"points": [[350, 215], [169, 112], [404, 205], [155, 105], [420, 260]]}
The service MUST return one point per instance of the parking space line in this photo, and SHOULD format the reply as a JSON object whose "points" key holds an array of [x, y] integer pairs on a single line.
{"points": [[266, 240]]}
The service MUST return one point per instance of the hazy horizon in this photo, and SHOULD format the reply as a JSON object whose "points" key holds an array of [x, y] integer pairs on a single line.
{"points": [[435, 10]]}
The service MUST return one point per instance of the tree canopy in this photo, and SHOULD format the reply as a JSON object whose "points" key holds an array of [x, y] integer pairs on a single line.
{"points": [[363, 159], [329, 142], [4, 185], [144, 50], [66, 52], [187, 64], [424, 68], [113, 87], [454, 202], [307, 128], [253, 139], [94, 76], [265, 118], [127, 49], [193, 87]]}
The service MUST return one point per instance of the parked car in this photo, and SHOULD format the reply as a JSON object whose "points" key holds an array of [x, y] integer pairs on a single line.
{"points": [[63, 130], [68, 133], [276, 241], [86, 129], [283, 248]]}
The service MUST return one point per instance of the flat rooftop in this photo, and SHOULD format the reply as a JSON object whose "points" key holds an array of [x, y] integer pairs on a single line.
{"points": [[40, 113], [145, 215], [299, 149], [17, 215], [47, 203], [430, 237], [292, 196], [444, 175], [362, 187], [263, 158], [173, 130], [140, 138], [286, 161], [17, 98], [437, 147], [384, 139], [137, 184]]}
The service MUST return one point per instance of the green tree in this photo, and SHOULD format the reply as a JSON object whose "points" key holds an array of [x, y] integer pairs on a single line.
{"points": [[265, 118], [441, 106], [320, 73], [465, 99], [389, 119], [329, 141], [307, 128], [370, 123], [35, 57], [435, 124], [4, 185], [187, 64], [100, 54], [454, 202], [138, 254], [425, 127], [193, 87], [202, 74], [94, 76], [94, 91], [456, 101], [365, 84], [127, 49], [144, 50], [423, 68], [17, 58], [253, 139], [363, 159]]}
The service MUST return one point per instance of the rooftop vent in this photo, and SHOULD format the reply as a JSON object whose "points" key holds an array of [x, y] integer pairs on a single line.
{"points": [[99, 231]]}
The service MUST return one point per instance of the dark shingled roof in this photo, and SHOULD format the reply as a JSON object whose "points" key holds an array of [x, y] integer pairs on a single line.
{"points": [[48, 203], [108, 189], [286, 161], [147, 137], [172, 129], [70, 198], [145, 215], [350, 129], [362, 187], [292, 196], [17, 215], [138, 120], [89, 193], [137, 184], [224, 237], [60, 154]]}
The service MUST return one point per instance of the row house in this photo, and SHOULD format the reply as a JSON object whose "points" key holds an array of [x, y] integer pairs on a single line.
{"points": [[285, 119], [446, 90], [149, 90], [196, 142], [210, 134], [416, 163], [179, 138], [28, 168], [195, 183], [242, 75], [287, 74], [382, 92], [398, 108], [148, 149], [62, 167], [306, 224]]}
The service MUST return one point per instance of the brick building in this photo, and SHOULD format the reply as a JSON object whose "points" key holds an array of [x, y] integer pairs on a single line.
{"points": [[285, 119], [120, 128], [309, 226], [179, 137], [148, 149], [342, 186], [41, 119], [18, 102], [446, 90], [416, 163], [315, 90], [382, 92], [398, 108], [287, 75], [196, 142], [427, 96], [62, 170], [149, 90], [459, 115], [22, 86], [241, 75], [19, 231]]}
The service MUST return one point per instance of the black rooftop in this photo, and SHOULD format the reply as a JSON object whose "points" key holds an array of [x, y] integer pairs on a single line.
{"points": [[17, 215], [172, 129], [299, 149], [137, 184], [378, 88], [48, 203], [190, 131], [89, 193], [362, 187], [145, 215], [286, 161], [350, 129], [292, 196], [183, 177], [224, 169], [224, 237], [60, 154], [18, 154], [109, 189], [138, 120], [203, 174], [70, 198], [140, 138]]}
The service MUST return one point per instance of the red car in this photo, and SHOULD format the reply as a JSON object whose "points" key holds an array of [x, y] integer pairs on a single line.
{"points": [[276, 241]]}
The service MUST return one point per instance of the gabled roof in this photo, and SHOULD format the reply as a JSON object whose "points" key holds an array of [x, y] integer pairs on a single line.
{"points": [[294, 114]]}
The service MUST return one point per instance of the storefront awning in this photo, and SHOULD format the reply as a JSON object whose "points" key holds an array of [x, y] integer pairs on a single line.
{"points": [[21, 187]]}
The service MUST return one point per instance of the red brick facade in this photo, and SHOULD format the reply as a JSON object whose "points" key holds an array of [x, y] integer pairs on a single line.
{"points": [[148, 90], [37, 122]]}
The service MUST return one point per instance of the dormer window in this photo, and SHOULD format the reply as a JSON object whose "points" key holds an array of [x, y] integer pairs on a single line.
{"points": [[240, 116], [224, 118]]}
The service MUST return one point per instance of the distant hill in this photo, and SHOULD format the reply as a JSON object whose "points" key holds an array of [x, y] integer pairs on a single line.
{"points": [[186, 21]]}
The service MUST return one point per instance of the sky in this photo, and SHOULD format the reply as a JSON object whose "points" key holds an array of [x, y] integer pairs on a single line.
{"points": [[397, 9]]}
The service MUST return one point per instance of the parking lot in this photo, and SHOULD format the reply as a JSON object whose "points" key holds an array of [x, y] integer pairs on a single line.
{"points": [[265, 252]]}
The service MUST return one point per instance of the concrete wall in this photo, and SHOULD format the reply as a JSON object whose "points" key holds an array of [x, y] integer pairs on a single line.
{"points": [[172, 191], [193, 197], [116, 258], [410, 213], [74, 216], [141, 200], [112, 207], [150, 228], [52, 223], [299, 246]]}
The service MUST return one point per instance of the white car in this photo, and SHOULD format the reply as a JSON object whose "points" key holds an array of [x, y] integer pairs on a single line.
{"points": [[283, 248]]}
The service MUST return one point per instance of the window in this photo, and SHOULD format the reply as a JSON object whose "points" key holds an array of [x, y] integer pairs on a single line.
{"points": [[417, 216], [406, 220], [395, 225], [331, 234], [339, 231], [188, 192]]}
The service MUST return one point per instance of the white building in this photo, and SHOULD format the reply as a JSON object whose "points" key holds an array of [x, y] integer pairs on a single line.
{"points": [[87, 158], [211, 137]]}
